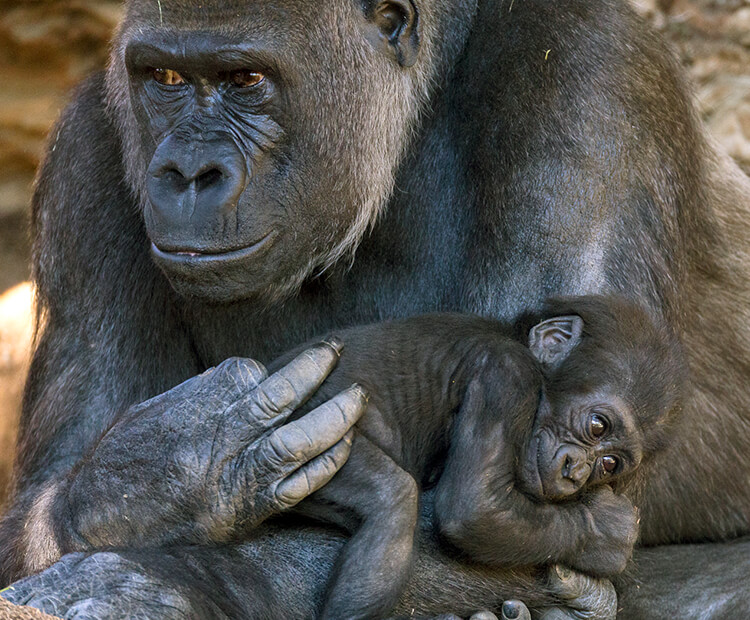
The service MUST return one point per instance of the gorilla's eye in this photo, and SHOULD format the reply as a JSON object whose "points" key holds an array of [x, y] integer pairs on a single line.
{"points": [[597, 426], [168, 77], [610, 463], [244, 78]]}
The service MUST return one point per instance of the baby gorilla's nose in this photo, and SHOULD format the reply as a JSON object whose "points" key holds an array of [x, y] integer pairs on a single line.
{"points": [[570, 469], [573, 468]]}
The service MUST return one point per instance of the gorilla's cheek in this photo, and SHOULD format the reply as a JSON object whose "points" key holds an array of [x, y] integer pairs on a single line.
{"points": [[529, 476]]}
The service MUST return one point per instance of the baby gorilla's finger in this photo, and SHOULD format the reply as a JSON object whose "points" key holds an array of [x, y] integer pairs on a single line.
{"points": [[590, 597], [294, 444], [515, 610], [315, 474], [289, 387]]}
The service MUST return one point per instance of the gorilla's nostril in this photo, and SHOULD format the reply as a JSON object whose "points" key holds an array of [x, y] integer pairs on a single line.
{"points": [[567, 465], [173, 175], [208, 178]]}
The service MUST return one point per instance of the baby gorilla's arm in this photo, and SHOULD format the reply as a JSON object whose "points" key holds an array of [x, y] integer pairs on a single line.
{"points": [[479, 509]]}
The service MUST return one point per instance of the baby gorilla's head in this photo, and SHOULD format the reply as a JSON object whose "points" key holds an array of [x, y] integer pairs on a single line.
{"points": [[613, 380]]}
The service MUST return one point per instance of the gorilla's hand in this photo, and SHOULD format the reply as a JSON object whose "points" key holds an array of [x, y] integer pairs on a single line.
{"points": [[107, 585], [211, 456], [609, 531], [581, 598]]}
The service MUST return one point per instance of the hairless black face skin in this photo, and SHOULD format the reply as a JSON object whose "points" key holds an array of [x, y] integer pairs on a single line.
{"points": [[250, 173], [526, 416]]}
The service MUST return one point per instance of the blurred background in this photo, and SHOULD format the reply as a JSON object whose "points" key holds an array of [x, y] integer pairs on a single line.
{"points": [[47, 46]]}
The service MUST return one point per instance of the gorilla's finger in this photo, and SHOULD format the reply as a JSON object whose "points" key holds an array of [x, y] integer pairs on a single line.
{"points": [[288, 388], [240, 373], [315, 474], [294, 444], [483, 615], [515, 610], [595, 597], [557, 613]]}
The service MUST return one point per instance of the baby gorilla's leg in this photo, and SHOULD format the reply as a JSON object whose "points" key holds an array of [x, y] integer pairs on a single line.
{"points": [[377, 501]]}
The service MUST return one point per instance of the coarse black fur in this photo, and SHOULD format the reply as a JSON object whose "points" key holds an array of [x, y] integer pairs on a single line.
{"points": [[534, 149], [516, 426]]}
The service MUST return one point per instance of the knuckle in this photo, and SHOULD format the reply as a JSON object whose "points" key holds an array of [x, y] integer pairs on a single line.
{"points": [[273, 395], [284, 444], [293, 492], [246, 372], [329, 464]]}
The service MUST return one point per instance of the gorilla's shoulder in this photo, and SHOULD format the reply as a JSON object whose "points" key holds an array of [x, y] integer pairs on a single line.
{"points": [[83, 210]]}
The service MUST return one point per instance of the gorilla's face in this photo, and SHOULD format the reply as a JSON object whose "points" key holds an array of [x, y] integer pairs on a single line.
{"points": [[262, 138]]}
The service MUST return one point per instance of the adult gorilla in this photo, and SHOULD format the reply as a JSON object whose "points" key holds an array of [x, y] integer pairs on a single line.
{"points": [[205, 201]]}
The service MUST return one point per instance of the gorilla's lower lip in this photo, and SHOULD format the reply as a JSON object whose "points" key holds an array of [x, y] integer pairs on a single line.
{"points": [[196, 257]]}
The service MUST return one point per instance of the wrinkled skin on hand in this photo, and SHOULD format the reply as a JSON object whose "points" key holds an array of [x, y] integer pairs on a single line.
{"points": [[213, 457], [108, 585]]}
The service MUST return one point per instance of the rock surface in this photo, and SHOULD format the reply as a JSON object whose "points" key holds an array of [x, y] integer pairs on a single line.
{"points": [[12, 612], [46, 47], [15, 349], [712, 37]]}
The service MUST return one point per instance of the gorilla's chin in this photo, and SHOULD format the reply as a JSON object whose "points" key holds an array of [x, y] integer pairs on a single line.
{"points": [[222, 277]]}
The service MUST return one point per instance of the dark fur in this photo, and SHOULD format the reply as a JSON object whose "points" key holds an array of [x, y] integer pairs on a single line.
{"points": [[460, 385], [557, 153]]}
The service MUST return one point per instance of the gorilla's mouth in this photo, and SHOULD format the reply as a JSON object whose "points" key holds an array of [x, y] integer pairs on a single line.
{"points": [[199, 257]]}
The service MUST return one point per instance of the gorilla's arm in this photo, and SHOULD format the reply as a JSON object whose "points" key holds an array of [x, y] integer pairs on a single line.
{"points": [[194, 464], [283, 573], [111, 337], [686, 581]]}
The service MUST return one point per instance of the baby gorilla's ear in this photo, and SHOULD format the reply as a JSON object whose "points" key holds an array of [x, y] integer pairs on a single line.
{"points": [[552, 340]]}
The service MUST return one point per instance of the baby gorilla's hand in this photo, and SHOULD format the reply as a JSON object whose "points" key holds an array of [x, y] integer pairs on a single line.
{"points": [[609, 533]]}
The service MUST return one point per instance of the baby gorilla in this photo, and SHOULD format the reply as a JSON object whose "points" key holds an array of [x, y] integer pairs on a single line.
{"points": [[555, 407]]}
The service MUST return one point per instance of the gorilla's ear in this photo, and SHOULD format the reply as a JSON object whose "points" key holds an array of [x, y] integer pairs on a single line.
{"points": [[552, 340], [397, 22]]}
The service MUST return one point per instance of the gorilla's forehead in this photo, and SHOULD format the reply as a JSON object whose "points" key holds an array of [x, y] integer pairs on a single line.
{"points": [[239, 15]]}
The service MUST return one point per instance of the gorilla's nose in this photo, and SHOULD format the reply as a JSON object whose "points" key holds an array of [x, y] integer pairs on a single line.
{"points": [[571, 469], [205, 178]]}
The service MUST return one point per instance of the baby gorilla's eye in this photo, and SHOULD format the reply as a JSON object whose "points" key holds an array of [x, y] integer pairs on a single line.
{"points": [[610, 463], [597, 426]]}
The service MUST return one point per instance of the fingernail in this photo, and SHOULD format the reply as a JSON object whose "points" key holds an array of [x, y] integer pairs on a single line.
{"points": [[361, 392], [349, 437], [562, 572], [335, 343], [511, 610]]}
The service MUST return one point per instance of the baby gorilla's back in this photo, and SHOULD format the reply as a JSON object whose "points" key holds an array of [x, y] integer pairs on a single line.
{"points": [[468, 386], [417, 373]]}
